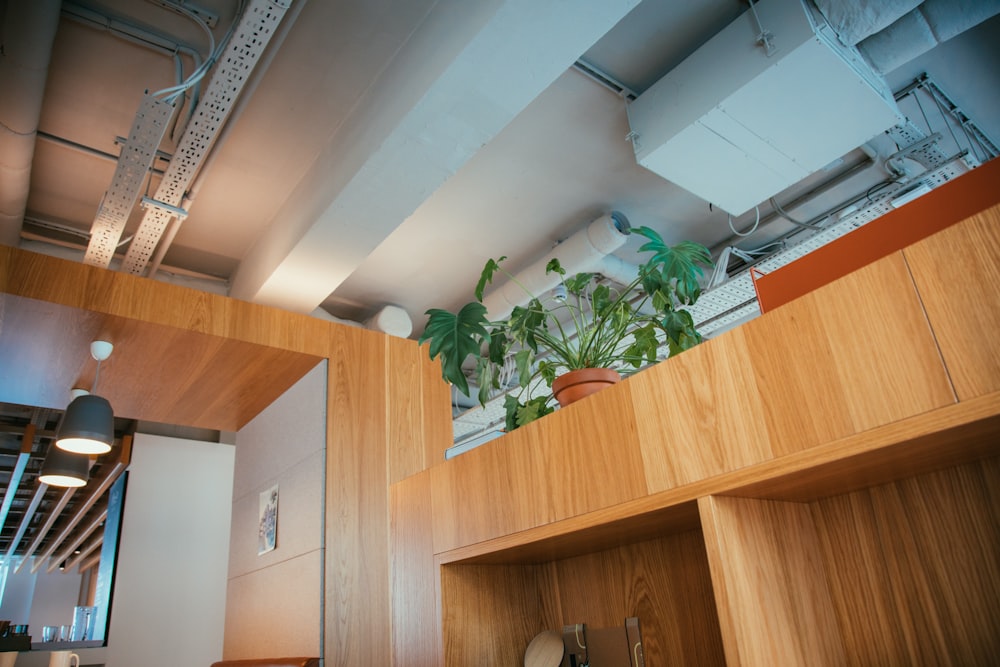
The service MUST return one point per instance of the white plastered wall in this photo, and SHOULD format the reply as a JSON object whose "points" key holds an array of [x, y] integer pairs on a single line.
{"points": [[274, 600]]}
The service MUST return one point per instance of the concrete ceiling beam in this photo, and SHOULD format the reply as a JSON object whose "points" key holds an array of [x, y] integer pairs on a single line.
{"points": [[467, 70]]}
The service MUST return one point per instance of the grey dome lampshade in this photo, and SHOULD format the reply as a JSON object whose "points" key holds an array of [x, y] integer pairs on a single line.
{"points": [[62, 468], [88, 427]]}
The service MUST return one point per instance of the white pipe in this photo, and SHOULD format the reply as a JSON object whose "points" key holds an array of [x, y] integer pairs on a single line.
{"points": [[391, 320], [617, 269], [581, 252], [29, 31]]}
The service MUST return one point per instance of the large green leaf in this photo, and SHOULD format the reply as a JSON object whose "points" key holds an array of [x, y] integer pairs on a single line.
{"points": [[533, 409], [454, 337], [681, 334], [525, 321], [522, 361], [486, 277], [578, 284], [643, 347], [681, 263]]}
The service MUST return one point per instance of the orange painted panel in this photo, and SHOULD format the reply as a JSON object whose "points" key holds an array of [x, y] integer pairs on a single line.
{"points": [[944, 206]]}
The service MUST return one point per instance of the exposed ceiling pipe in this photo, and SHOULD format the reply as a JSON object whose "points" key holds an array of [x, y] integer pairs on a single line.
{"points": [[891, 33], [581, 252], [390, 319], [86, 150], [164, 44], [28, 31]]}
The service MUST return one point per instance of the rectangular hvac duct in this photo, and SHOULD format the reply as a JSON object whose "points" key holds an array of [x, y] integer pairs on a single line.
{"points": [[735, 126]]}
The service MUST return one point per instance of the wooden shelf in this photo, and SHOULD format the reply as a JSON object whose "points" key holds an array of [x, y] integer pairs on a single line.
{"points": [[828, 493], [942, 438]]}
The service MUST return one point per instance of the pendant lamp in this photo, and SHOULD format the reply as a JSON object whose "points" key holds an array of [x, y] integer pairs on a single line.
{"points": [[88, 426], [66, 469]]}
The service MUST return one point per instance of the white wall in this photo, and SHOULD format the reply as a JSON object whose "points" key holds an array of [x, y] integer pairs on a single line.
{"points": [[168, 607], [274, 600], [55, 597], [168, 604]]}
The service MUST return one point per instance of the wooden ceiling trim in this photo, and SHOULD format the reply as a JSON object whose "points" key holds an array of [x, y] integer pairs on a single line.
{"points": [[77, 540], [99, 290], [27, 441], [85, 551], [54, 514], [181, 356], [22, 528]]}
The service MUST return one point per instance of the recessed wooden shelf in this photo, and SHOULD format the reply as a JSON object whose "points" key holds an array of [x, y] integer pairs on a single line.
{"points": [[959, 433], [835, 465]]}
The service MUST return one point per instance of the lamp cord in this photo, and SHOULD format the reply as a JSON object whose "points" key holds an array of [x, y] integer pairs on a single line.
{"points": [[97, 376]]}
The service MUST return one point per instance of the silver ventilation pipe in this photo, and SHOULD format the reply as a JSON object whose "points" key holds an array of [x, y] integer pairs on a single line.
{"points": [[29, 29]]}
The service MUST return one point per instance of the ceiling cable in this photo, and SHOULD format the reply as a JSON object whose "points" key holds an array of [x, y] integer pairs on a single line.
{"points": [[756, 223], [784, 214]]}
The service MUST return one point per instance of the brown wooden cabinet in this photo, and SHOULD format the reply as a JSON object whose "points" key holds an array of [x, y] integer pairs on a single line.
{"points": [[831, 496]]}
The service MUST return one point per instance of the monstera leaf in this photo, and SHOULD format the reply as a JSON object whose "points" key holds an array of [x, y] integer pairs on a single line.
{"points": [[454, 337], [486, 277], [681, 263]]}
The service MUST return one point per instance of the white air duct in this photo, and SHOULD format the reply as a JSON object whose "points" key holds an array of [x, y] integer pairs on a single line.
{"points": [[29, 28], [920, 30], [581, 252], [743, 117], [391, 320]]}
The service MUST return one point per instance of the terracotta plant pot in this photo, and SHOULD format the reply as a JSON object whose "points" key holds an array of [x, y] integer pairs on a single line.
{"points": [[578, 384]]}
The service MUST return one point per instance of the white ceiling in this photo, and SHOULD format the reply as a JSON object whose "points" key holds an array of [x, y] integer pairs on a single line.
{"points": [[387, 148]]}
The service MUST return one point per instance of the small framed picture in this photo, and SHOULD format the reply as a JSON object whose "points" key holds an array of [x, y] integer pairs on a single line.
{"points": [[267, 531]]}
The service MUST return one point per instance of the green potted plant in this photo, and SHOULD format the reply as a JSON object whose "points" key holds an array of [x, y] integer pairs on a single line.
{"points": [[593, 326]]}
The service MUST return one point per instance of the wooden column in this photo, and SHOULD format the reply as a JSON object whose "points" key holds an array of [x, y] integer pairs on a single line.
{"points": [[770, 585]]}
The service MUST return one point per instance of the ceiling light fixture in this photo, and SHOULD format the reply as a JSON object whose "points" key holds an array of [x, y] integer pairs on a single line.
{"points": [[88, 427], [65, 469]]}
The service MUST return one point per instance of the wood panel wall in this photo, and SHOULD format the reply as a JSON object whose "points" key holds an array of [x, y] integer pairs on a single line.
{"points": [[181, 356], [827, 366], [416, 609], [195, 359], [870, 409], [581, 459], [665, 583], [770, 586], [387, 419], [491, 612], [958, 274], [914, 568], [357, 510]]}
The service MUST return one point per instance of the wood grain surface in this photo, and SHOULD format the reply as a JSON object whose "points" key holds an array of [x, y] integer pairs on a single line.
{"points": [[357, 594], [958, 274], [416, 626], [914, 567], [699, 414], [490, 613], [665, 583], [577, 460], [770, 586], [181, 356]]}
